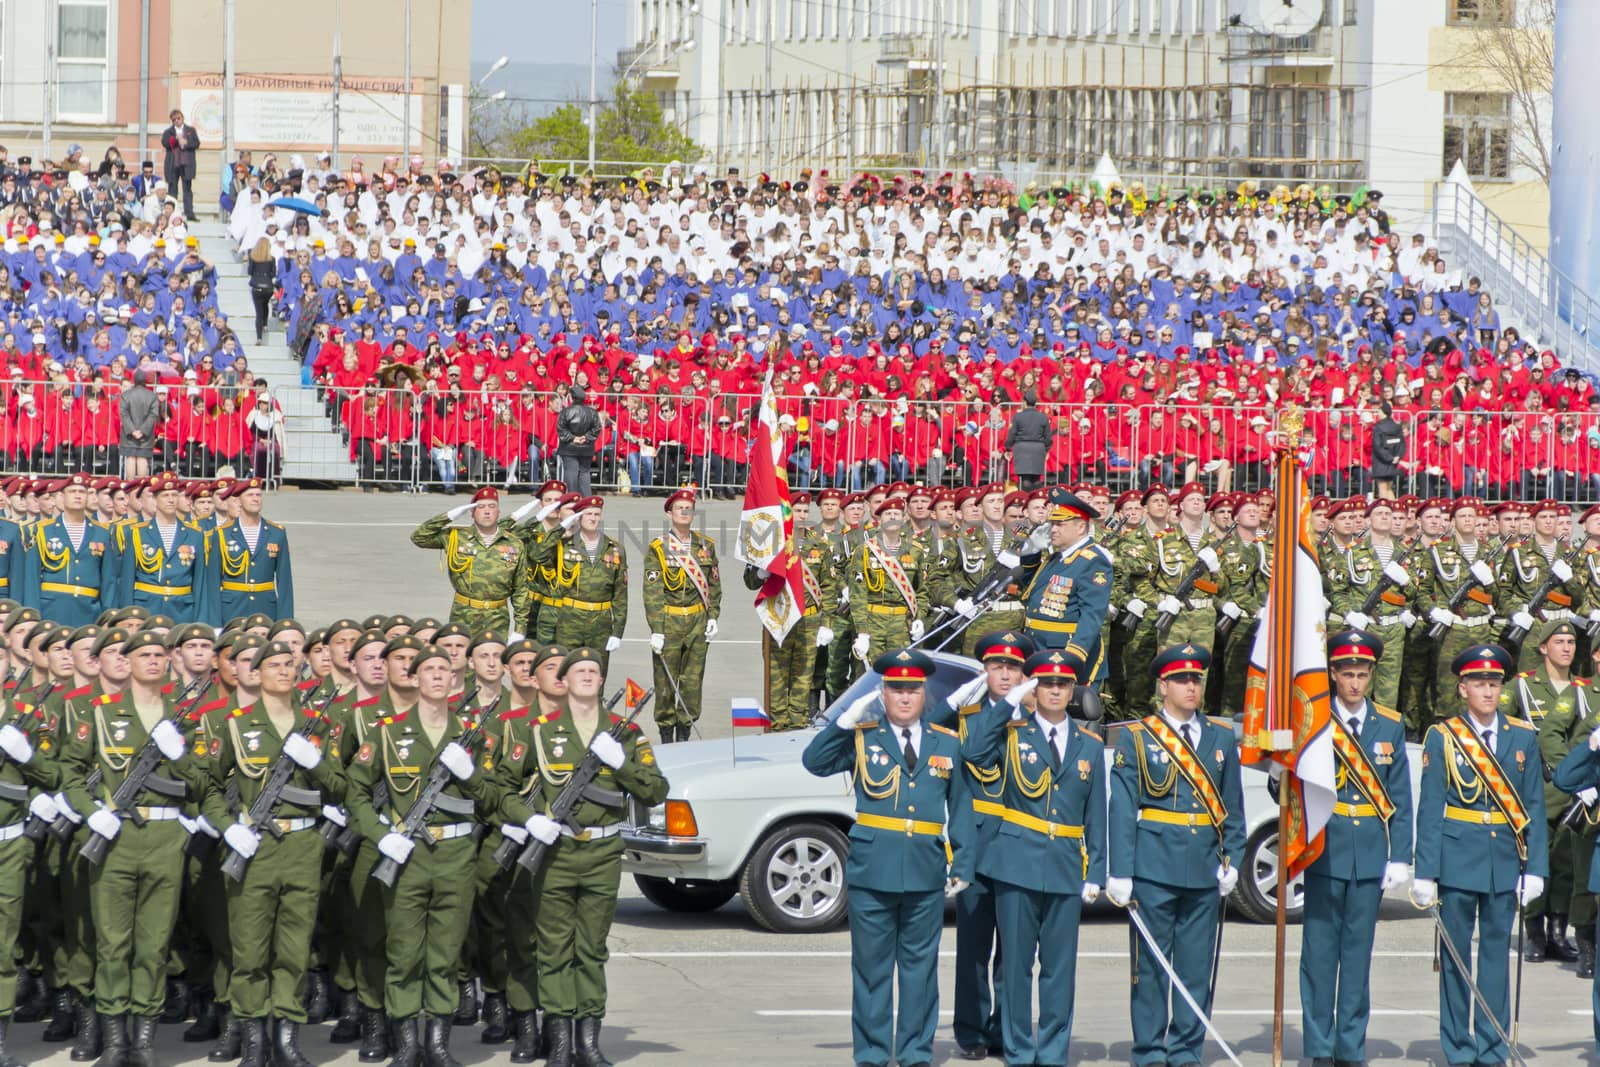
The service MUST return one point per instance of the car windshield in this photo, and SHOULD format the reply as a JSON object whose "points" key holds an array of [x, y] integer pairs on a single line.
{"points": [[950, 673]]}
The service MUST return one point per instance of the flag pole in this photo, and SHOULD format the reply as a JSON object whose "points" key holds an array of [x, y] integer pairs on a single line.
{"points": [[1280, 946], [1285, 513]]}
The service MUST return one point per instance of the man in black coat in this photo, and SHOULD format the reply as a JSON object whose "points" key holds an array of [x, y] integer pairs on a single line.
{"points": [[181, 142], [577, 429], [1028, 441], [1388, 449]]}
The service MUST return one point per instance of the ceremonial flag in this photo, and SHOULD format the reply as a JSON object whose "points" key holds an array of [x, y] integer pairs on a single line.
{"points": [[632, 694], [1287, 704], [747, 711], [766, 525]]}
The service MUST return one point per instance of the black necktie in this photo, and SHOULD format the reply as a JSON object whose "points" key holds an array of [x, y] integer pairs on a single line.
{"points": [[1354, 726], [911, 752], [1055, 753], [1488, 740], [1188, 733]]}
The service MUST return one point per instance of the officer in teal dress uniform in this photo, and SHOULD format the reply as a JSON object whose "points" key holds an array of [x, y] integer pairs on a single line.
{"points": [[252, 558], [1049, 856], [906, 773], [980, 981], [176, 577], [13, 546], [1176, 836], [1366, 851], [70, 566], [1070, 594], [1482, 842], [1580, 770]]}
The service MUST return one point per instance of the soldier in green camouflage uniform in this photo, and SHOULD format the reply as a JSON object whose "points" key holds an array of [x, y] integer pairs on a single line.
{"points": [[1247, 562], [1417, 671], [1351, 575], [977, 548], [587, 575], [843, 666], [1122, 543], [1443, 568], [682, 602], [484, 562], [885, 617], [1524, 567], [791, 664], [552, 503]]}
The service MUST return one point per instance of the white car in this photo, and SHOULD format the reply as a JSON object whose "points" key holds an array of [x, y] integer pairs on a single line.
{"points": [[743, 816]]}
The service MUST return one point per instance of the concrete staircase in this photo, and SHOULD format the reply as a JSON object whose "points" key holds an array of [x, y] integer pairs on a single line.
{"points": [[315, 452]]}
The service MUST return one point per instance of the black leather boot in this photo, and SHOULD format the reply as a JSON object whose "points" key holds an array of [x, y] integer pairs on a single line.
{"points": [[529, 1044], [61, 1017], [1586, 952], [347, 1031], [374, 1035], [436, 1043], [207, 1025], [1533, 939], [587, 1045], [225, 1049], [252, 1042], [142, 1042], [319, 998], [496, 1024], [113, 1041], [86, 1031], [33, 998], [176, 1009], [286, 1048], [6, 1058], [407, 1049], [1557, 945], [467, 1006], [558, 1041], [683, 731]]}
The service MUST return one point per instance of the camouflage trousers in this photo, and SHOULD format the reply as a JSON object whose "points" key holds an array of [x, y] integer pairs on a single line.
{"points": [[1386, 673], [789, 670], [1417, 678], [681, 659], [991, 622], [1236, 666], [576, 627]]}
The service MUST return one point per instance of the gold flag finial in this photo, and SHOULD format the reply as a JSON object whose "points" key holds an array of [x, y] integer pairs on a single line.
{"points": [[1292, 421]]}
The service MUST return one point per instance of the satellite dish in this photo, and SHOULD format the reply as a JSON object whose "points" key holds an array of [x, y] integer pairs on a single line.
{"points": [[1286, 18]]}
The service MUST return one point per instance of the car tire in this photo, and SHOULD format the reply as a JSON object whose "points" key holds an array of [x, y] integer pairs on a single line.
{"points": [[684, 895], [1256, 898], [793, 882]]}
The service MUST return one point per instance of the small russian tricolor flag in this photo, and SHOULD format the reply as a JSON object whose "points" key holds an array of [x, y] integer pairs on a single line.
{"points": [[747, 711]]}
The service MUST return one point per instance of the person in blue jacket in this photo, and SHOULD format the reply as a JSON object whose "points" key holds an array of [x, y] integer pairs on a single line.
{"points": [[252, 559], [71, 564], [1048, 858], [1482, 846], [1579, 773], [165, 567], [906, 774], [1070, 594], [1176, 837]]}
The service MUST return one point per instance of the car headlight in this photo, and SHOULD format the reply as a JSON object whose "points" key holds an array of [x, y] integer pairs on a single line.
{"points": [[657, 819]]}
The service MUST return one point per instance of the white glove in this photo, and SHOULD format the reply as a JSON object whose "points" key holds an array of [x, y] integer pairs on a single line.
{"points": [[542, 828], [1136, 608], [711, 629], [1232, 610], [954, 887], [203, 824], [824, 637], [548, 510], [570, 521], [1006, 559], [658, 642], [517, 834], [1208, 556], [1442, 616], [862, 645], [242, 839], [1530, 887], [525, 510], [1169, 605], [456, 760], [168, 739], [969, 693], [15, 743], [613, 643], [1589, 796], [917, 630], [1395, 874], [396, 846], [513, 636], [334, 814], [844, 596], [42, 807], [1424, 891], [608, 749], [1594, 616], [1227, 878], [1120, 890], [104, 823], [1407, 619], [298, 747], [849, 717], [1091, 892], [1357, 620], [1523, 621], [1561, 570], [1039, 539], [66, 808], [459, 510], [966, 607], [1396, 574], [184, 821], [1020, 690], [1483, 572], [1274, 770]]}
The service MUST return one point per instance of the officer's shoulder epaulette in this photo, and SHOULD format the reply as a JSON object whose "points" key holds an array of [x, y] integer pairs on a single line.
{"points": [[1220, 720], [1016, 722], [514, 713], [969, 709], [941, 729], [547, 717], [82, 690], [1525, 674], [1580, 681], [1090, 733], [1387, 713], [632, 726], [1524, 724], [237, 712], [274, 525], [390, 720]]}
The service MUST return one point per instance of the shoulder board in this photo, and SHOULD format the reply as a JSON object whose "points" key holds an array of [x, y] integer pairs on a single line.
{"points": [[1090, 733], [1525, 674], [632, 725], [390, 720], [1136, 726], [548, 717], [514, 713], [1016, 722], [1523, 724], [1580, 681], [82, 690], [274, 525], [870, 724], [236, 712], [936, 728], [1387, 713], [969, 709], [1218, 720]]}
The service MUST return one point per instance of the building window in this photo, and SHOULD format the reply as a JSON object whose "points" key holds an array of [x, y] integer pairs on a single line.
{"points": [[1477, 131], [1478, 12], [82, 52]]}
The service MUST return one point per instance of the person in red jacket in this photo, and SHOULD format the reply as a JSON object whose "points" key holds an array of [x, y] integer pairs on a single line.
{"points": [[225, 436], [440, 429]]}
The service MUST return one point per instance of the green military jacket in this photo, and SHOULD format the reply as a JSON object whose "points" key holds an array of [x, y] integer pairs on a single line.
{"points": [[1248, 567], [824, 575], [242, 753], [1523, 568], [484, 571], [584, 581], [974, 559], [1563, 719], [398, 757], [41, 772], [1439, 571], [874, 593], [108, 738], [534, 533], [1161, 562], [528, 780], [1350, 575], [670, 585], [944, 564]]}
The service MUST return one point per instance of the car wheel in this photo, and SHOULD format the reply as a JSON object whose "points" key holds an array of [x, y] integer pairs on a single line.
{"points": [[1257, 896], [793, 882], [684, 895]]}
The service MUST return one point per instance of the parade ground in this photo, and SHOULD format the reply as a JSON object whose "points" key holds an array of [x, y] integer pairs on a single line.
{"points": [[714, 988]]}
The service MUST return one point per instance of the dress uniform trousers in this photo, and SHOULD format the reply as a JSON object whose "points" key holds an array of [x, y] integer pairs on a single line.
{"points": [[14, 858], [894, 936], [1183, 923], [1493, 915], [684, 656], [576, 894], [369, 929], [135, 895], [428, 911], [980, 969], [1341, 921], [1040, 925], [206, 906], [271, 915], [492, 952], [77, 919]]}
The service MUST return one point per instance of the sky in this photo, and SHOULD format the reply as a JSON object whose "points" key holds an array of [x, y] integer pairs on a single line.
{"points": [[562, 34]]}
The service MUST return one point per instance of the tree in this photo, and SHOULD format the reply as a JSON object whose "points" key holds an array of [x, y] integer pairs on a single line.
{"points": [[630, 129], [1513, 51]]}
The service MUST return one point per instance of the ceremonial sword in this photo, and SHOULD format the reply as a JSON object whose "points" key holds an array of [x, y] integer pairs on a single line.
{"points": [[1177, 983]]}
